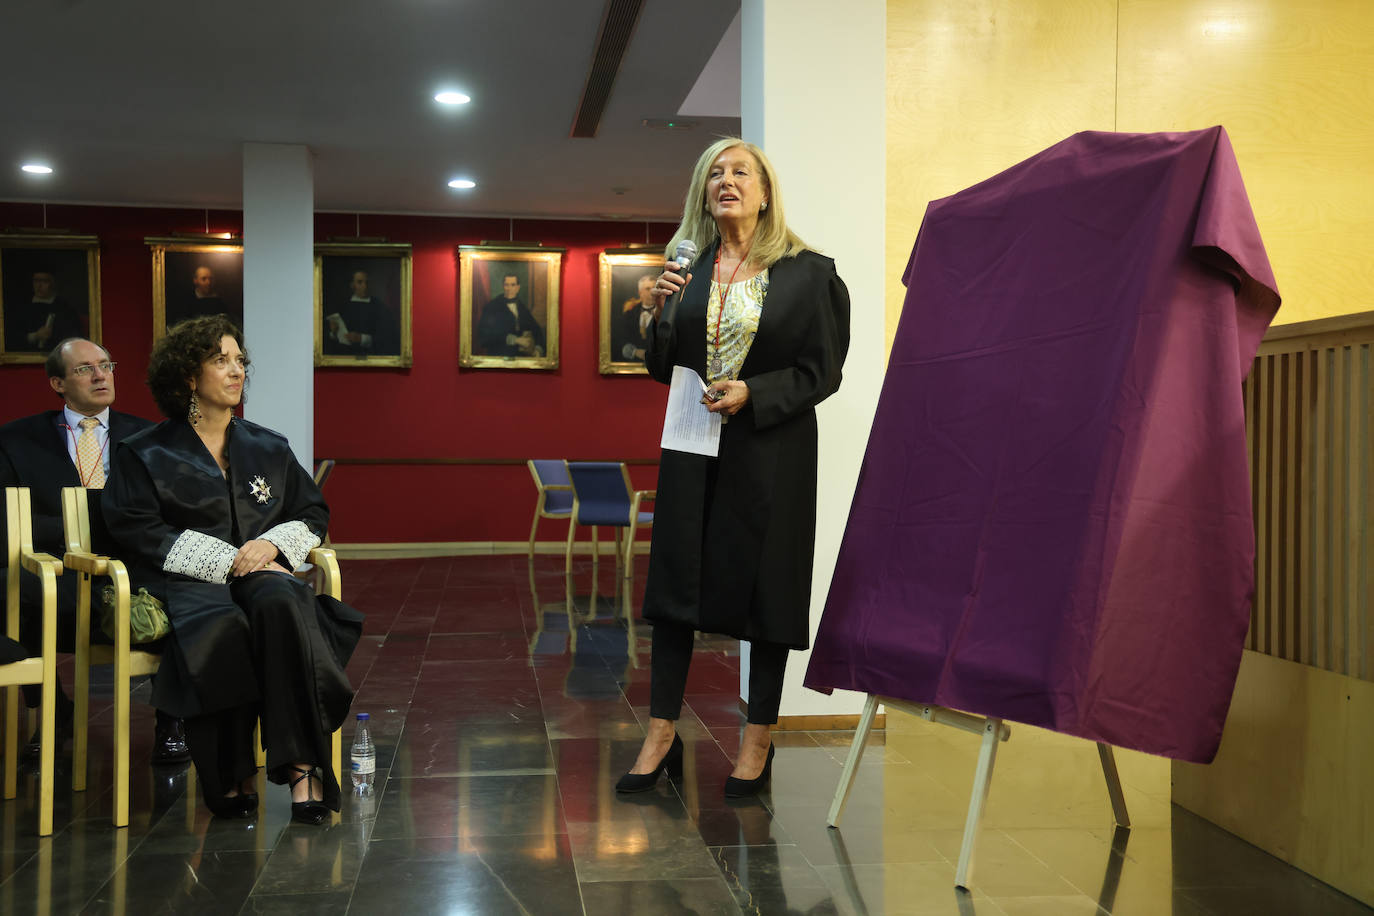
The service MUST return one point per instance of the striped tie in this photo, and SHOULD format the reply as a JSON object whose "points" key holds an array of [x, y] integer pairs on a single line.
{"points": [[88, 457]]}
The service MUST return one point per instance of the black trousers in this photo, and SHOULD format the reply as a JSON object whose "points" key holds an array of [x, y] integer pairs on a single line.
{"points": [[671, 656], [221, 742]]}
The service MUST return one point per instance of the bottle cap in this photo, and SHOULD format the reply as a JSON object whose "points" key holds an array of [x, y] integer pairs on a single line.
{"points": [[363, 715]]}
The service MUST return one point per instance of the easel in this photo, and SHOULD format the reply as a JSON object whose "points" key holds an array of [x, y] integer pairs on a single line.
{"points": [[994, 732]]}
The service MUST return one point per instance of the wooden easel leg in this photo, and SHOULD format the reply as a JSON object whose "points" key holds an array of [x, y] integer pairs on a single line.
{"points": [[851, 763], [982, 783], [1123, 817]]}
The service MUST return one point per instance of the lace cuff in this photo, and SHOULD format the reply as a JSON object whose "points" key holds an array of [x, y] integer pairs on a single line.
{"points": [[293, 539], [200, 556]]}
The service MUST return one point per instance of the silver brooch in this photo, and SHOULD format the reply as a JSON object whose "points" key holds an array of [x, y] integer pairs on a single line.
{"points": [[260, 489]]}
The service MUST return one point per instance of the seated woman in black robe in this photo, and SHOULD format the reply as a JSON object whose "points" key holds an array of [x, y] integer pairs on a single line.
{"points": [[213, 512]]}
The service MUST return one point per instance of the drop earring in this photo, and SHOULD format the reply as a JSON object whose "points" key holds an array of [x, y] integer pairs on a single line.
{"points": [[193, 412]]}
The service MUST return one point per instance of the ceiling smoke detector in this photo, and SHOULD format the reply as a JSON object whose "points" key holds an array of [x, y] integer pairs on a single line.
{"points": [[668, 124]]}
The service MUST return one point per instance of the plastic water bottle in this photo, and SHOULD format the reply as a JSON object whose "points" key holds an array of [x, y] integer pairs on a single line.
{"points": [[364, 754]]}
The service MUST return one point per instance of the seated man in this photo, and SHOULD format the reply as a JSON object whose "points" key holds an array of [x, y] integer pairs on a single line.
{"points": [[67, 448]]}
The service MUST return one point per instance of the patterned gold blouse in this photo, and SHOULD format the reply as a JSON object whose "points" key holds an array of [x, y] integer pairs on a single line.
{"points": [[743, 309]]}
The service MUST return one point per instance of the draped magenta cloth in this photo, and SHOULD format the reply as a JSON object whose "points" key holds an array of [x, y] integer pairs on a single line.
{"points": [[1052, 524]]}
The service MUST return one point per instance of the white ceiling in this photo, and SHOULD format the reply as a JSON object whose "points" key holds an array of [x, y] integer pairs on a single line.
{"points": [[150, 101]]}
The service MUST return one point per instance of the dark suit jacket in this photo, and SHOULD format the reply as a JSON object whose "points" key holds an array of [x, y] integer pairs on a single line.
{"points": [[33, 454]]}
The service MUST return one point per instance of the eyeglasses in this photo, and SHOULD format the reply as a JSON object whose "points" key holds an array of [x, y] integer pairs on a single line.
{"points": [[86, 369]]}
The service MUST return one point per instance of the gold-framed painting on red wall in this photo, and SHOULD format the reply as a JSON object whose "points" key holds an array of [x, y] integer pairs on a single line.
{"points": [[363, 304], [508, 306], [626, 308], [194, 276], [49, 291]]}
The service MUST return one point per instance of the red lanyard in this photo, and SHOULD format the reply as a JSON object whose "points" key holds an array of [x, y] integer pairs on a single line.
{"points": [[725, 289], [76, 450]]}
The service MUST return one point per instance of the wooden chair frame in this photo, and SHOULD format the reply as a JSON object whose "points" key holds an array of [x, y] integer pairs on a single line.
{"points": [[539, 510], [128, 659], [20, 555]]}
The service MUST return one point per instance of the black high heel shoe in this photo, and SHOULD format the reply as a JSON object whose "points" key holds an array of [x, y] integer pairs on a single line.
{"points": [[310, 811], [643, 782], [743, 788]]}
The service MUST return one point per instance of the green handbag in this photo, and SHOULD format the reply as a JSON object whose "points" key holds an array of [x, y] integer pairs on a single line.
{"points": [[147, 619]]}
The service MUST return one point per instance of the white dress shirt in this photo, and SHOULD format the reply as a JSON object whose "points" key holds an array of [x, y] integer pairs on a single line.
{"points": [[102, 437]]}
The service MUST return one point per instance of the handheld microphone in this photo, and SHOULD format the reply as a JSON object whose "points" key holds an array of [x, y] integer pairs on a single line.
{"points": [[684, 256], [686, 253]]}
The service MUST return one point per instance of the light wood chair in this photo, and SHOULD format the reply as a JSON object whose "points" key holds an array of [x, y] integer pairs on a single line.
{"points": [[20, 557], [129, 660]]}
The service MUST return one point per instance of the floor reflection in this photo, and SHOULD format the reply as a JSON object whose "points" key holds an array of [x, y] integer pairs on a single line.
{"points": [[506, 698]]}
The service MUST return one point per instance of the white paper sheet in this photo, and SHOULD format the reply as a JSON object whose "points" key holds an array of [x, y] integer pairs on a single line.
{"points": [[687, 425]]}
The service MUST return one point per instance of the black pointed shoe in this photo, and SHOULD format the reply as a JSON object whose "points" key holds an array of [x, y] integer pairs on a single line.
{"points": [[311, 811], [643, 782], [230, 806], [743, 788]]}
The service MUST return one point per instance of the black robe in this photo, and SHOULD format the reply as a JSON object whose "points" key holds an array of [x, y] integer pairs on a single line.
{"points": [[734, 536], [179, 521]]}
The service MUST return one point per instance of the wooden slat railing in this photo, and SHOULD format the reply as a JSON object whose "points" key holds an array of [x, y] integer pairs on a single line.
{"points": [[1309, 423]]}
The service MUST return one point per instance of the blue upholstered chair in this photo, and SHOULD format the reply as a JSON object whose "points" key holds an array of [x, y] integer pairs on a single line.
{"points": [[602, 495], [555, 494]]}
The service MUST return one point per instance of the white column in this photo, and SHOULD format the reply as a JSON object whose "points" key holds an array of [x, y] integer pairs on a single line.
{"points": [[814, 98], [278, 290]]}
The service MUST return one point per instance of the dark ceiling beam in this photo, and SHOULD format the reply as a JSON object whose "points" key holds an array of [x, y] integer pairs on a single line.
{"points": [[617, 26]]}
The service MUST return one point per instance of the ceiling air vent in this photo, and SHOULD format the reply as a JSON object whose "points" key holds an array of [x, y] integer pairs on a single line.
{"points": [[617, 25]]}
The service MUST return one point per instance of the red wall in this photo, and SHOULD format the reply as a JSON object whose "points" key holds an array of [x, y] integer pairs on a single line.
{"points": [[431, 410]]}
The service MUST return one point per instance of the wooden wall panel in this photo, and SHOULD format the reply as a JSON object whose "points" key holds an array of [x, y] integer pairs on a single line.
{"points": [[978, 86], [1293, 83], [1293, 774], [975, 87]]}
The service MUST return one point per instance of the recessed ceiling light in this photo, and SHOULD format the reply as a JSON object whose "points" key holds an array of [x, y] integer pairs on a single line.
{"points": [[452, 98], [34, 168], [463, 183]]}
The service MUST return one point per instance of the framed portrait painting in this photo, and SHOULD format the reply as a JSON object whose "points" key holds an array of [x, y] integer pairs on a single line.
{"points": [[508, 307], [627, 276], [195, 276], [362, 304], [49, 291]]}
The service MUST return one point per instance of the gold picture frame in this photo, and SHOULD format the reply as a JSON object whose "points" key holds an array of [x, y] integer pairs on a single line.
{"points": [[50, 281], [195, 276], [363, 304], [508, 331], [622, 272]]}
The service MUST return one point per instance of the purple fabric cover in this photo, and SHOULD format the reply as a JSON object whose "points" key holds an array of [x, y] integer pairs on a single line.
{"points": [[1052, 524]]}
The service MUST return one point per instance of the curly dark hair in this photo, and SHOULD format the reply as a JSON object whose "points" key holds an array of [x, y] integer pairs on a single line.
{"points": [[178, 356]]}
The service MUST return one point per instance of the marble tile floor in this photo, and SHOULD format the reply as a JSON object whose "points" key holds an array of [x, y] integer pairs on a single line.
{"points": [[503, 717]]}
